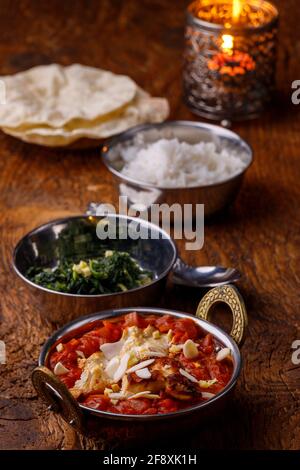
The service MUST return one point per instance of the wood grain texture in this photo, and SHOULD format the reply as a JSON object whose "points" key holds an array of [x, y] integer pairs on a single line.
{"points": [[259, 235]]}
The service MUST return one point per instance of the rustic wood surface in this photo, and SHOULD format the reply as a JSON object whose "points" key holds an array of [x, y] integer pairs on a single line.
{"points": [[259, 235]]}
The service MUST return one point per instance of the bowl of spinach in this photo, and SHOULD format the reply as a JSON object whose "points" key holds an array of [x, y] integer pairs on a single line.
{"points": [[70, 271]]}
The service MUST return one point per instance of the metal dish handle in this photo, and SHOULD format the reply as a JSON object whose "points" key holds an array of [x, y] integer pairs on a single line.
{"points": [[56, 395], [230, 296]]}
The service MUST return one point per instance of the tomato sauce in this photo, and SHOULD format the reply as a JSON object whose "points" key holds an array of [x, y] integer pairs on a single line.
{"points": [[204, 367]]}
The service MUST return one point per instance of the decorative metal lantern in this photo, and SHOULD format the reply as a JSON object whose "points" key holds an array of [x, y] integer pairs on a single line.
{"points": [[230, 57]]}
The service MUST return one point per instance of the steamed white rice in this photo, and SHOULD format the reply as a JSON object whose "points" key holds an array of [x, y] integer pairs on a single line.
{"points": [[170, 163]]}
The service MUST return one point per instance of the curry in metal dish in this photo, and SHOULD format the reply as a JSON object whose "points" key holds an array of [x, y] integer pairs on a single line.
{"points": [[114, 271], [142, 364]]}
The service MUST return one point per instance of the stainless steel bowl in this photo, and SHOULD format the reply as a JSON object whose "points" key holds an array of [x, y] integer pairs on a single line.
{"points": [[215, 197], [75, 238], [57, 395]]}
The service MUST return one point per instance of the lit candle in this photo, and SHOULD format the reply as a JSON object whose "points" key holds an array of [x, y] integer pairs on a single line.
{"points": [[227, 44], [236, 10], [230, 57], [230, 61]]}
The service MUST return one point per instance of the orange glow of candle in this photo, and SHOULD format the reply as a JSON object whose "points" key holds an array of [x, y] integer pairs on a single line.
{"points": [[227, 44], [236, 10]]}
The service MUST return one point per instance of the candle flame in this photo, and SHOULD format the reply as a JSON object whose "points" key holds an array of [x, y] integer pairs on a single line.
{"points": [[227, 44], [236, 9]]}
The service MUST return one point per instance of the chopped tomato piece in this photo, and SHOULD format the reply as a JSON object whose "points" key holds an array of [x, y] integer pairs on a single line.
{"points": [[134, 319], [113, 331], [133, 407], [151, 411], [197, 368], [74, 343], [67, 357], [151, 320], [70, 378], [221, 370], [99, 402], [165, 323], [187, 328], [167, 405], [207, 344], [88, 345]]}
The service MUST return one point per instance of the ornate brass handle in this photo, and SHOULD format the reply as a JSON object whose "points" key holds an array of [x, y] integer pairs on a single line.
{"points": [[57, 396], [230, 296]]}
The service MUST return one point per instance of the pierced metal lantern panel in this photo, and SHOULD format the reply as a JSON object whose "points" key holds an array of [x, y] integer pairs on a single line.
{"points": [[229, 69]]}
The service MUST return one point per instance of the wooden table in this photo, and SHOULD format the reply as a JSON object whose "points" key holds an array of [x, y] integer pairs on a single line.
{"points": [[259, 236]]}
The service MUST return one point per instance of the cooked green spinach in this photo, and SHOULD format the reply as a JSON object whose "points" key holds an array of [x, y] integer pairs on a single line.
{"points": [[114, 271]]}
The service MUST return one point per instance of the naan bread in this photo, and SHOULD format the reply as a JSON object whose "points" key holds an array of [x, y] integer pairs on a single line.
{"points": [[143, 108], [54, 95]]}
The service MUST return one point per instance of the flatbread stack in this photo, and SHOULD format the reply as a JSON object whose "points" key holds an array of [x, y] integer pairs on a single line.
{"points": [[56, 106]]}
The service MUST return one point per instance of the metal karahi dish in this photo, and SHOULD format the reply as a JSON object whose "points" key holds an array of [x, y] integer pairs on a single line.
{"points": [[75, 238], [59, 398], [215, 196]]}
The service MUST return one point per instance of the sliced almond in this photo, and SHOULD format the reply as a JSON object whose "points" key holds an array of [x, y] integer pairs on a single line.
{"points": [[80, 354], [223, 354], [188, 376], [152, 396], [207, 395], [156, 354], [112, 367], [140, 365], [144, 373], [117, 396], [122, 368], [60, 369], [59, 347], [111, 350], [140, 394]]}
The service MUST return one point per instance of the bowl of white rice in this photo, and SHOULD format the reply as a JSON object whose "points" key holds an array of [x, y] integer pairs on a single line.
{"points": [[178, 162]]}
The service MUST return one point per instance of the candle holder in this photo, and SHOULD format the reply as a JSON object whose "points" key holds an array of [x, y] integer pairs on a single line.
{"points": [[230, 57]]}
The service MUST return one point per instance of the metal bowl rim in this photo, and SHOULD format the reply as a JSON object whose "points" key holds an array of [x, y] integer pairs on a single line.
{"points": [[156, 311], [41, 227], [126, 135], [216, 27]]}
